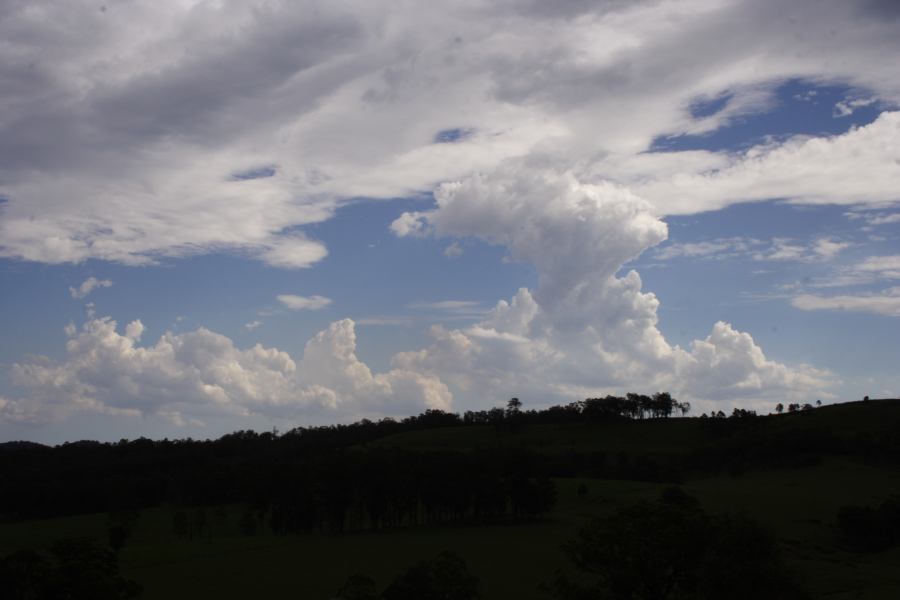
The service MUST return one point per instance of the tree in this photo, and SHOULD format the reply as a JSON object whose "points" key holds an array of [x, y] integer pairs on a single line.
{"points": [[443, 578], [648, 551], [742, 562], [513, 406], [181, 525], [779, 408], [670, 548], [73, 569], [121, 525], [357, 587]]}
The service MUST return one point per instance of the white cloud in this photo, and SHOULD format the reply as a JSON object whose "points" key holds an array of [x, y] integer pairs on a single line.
{"points": [[886, 267], [143, 132], [828, 248], [887, 303], [886, 219], [451, 306], [584, 330], [191, 376], [454, 250], [777, 249], [303, 302], [845, 108], [252, 325], [858, 167], [383, 321], [88, 286], [718, 248]]}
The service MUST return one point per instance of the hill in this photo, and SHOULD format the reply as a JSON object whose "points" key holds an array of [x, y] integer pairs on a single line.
{"points": [[215, 517]]}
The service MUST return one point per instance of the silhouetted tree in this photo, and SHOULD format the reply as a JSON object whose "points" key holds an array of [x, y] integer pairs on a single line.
{"points": [[119, 528], [357, 587], [779, 408], [181, 525], [73, 569], [443, 578], [671, 549], [24, 575]]}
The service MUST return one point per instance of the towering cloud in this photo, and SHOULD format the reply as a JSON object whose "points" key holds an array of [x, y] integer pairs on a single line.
{"points": [[586, 328]]}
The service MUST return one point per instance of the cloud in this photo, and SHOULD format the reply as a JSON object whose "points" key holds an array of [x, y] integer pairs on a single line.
{"points": [[828, 248], [454, 250], [88, 286], [303, 302], [292, 252], [450, 306], [192, 376], [886, 219], [252, 325], [718, 248], [143, 132], [383, 321], [886, 303], [585, 329], [845, 108], [855, 168], [777, 249], [885, 267]]}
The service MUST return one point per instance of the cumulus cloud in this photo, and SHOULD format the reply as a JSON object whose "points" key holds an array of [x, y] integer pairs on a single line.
{"points": [[585, 329], [154, 130], [294, 302], [88, 286], [191, 376]]}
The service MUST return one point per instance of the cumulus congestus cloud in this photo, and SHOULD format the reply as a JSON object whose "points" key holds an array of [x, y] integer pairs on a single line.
{"points": [[586, 329]]}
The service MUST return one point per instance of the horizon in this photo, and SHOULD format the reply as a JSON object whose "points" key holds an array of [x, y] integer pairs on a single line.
{"points": [[228, 216]]}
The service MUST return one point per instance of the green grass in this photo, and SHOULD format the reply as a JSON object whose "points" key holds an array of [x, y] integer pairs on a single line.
{"points": [[512, 560]]}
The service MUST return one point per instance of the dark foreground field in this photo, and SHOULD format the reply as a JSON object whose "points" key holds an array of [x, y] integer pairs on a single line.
{"points": [[797, 497]]}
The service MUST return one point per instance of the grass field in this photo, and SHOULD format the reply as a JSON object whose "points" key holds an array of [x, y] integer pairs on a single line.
{"points": [[512, 560]]}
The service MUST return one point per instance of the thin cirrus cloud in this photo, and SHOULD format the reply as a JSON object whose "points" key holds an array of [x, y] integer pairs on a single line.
{"points": [[294, 302], [777, 249], [887, 303]]}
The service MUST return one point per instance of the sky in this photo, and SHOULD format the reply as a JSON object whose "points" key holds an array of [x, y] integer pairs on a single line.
{"points": [[222, 215]]}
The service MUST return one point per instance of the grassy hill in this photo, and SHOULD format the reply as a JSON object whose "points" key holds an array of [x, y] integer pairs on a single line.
{"points": [[797, 500]]}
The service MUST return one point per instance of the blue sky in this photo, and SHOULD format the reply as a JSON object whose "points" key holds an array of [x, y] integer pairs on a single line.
{"points": [[325, 229]]}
